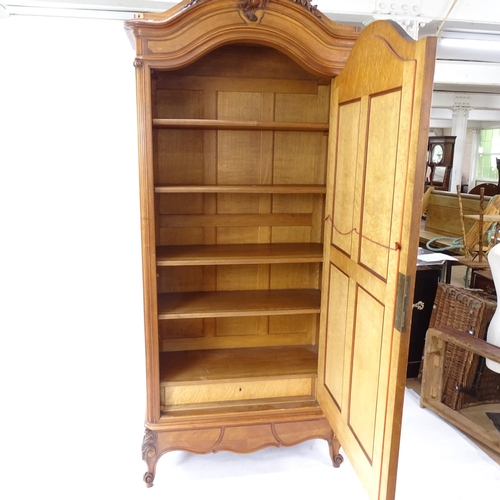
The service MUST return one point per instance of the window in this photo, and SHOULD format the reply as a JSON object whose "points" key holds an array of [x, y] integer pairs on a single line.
{"points": [[489, 150]]}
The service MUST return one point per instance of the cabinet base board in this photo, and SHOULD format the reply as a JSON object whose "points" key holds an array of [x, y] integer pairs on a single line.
{"points": [[238, 438]]}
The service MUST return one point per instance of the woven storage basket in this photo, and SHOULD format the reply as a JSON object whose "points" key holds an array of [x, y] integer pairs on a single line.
{"points": [[466, 380]]}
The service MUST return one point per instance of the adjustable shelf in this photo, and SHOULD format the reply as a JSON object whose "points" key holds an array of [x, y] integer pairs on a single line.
{"points": [[247, 189], [238, 303], [174, 123], [273, 253], [217, 364]]}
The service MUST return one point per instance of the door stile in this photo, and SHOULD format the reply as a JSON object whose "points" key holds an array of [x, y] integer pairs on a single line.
{"points": [[148, 223]]}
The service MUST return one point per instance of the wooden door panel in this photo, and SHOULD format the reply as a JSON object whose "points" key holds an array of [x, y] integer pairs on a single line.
{"points": [[378, 127], [345, 176], [379, 182], [365, 370], [336, 336]]}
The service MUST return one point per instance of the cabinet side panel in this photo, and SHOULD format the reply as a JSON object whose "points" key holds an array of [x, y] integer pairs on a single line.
{"points": [[148, 232]]}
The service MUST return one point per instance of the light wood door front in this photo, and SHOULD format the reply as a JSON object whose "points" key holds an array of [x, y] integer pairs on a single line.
{"points": [[378, 138]]}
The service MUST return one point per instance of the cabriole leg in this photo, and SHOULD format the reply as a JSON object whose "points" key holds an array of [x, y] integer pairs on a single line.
{"points": [[334, 445], [149, 455]]}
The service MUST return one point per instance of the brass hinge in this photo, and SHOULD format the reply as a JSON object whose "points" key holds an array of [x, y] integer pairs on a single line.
{"points": [[402, 301]]}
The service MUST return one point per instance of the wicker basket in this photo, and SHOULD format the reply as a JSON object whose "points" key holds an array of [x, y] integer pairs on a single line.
{"points": [[466, 379]]}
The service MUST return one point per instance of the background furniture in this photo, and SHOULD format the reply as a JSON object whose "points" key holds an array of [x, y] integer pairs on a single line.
{"points": [[489, 189], [442, 215], [440, 340], [465, 381], [440, 151], [426, 282], [482, 279]]}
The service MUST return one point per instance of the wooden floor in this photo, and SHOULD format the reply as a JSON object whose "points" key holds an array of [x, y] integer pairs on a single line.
{"points": [[476, 413]]}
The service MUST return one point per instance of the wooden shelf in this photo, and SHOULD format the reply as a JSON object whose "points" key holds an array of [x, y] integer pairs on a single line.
{"points": [[174, 123], [221, 364], [238, 303], [279, 253], [248, 189], [299, 405]]}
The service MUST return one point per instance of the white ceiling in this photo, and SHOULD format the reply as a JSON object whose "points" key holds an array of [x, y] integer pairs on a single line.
{"points": [[466, 71]]}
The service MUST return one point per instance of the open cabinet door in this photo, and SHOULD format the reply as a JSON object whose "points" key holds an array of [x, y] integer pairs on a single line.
{"points": [[378, 140]]}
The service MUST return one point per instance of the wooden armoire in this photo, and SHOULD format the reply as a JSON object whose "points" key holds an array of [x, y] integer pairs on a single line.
{"points": [[282, 160]]}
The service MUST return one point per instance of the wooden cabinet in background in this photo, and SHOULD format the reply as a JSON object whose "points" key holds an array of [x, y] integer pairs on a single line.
{"points": [[279, 228], [426, 283], [483, 280], [440, 152]]}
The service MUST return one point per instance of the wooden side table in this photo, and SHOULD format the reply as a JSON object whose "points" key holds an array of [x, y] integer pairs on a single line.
{"points": [[482, 279]]}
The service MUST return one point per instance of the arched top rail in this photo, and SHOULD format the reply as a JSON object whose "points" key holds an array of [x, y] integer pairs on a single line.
{"points": [[186, 32]]}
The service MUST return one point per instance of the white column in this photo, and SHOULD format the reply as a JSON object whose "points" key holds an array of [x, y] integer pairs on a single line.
{"points": [[460, 116]]}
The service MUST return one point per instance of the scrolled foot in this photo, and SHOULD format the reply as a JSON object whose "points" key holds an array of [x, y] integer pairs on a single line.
{"points": [[337, 460], [149, 455], [148, 479], [335, 455]]}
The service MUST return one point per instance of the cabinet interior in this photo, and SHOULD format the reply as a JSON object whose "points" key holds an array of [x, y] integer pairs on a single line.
{"points": [[239, 153]]}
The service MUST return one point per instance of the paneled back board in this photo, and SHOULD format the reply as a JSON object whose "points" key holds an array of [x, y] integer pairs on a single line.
{"points": [[280, 226], [286, 170]]}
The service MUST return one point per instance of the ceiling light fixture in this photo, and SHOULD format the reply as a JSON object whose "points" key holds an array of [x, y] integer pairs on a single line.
{"points": [[471, 44]]}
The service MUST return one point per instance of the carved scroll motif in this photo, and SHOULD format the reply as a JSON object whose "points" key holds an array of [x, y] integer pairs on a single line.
{"points": [[249, 7], [149, 456], [148, 444], [191, 3], [313, 9], [334, 447]]}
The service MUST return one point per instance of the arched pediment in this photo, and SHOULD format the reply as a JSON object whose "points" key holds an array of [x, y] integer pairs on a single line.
{"points": [[193, 28]]}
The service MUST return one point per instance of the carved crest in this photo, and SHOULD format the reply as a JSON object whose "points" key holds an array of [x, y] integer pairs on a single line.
{"points": [[250, 7]]}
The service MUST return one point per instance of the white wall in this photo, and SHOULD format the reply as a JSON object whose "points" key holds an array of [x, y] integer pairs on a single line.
{"points": [[71, 331], [71, 322]]}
